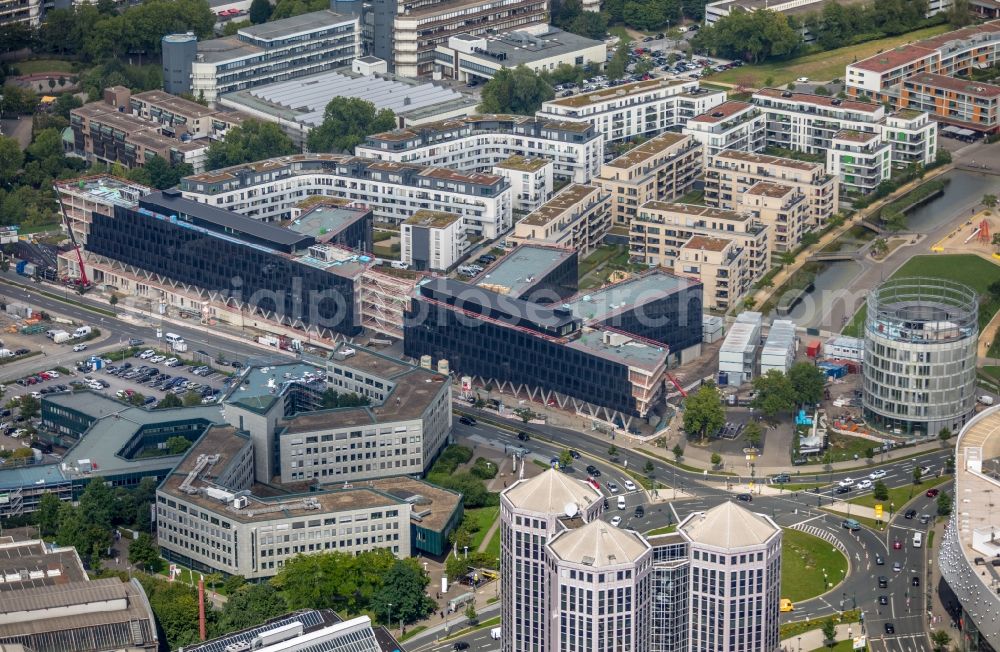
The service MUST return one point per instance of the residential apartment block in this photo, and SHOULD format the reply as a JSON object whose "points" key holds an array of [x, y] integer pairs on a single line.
{"points": [[530, 181], [732, 125], [577, 217], [860, 160], [657, 234], [407, 34], [130, 129], [27, 12], [268, 190], [883, 76], [807, 123], [644, 108], [730, 173], [479, 142], [781, 207], [721, 266], [432, 240], [660, 169], [260, 54]]}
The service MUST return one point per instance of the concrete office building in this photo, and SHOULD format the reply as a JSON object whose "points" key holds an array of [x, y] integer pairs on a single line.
{"points": [[530, 181], [477, 143], [432, 240], [645, 108], [860, 160], [738, 355], [807, 123], [298, 105], [302, 631], [601, 581], [919, 368], [540, 274], [261, 54], [721, 266], [732, 125], [730, 173], [49, 603], [470, 58], [660, 169], [532, 512], [407, 35], [969, 538], [657, 234], [576, 218], [732, 547], [268, 190], [779, 348]]}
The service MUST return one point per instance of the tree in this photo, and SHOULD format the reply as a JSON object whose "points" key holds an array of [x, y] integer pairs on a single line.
{"points": [[191, 399], [678, 452], [989, 201], [995, 240], [249, 606], [870, 454], [616, 67], [177, 445], [649, 468], [591, 24], [137, 399], [403, 587], [143, 553], [774, 393], [829, 632], [880, 491], [520, 91], [29, 406], [260, 11], [807, 382], [169, 401], [11, 159], [751, 36], [17, 101], [565, 459], [879, 247], [48, 514], [917, 475], [821, 90], [470, 613], [347, 121], [716, 459], [753, 433], [251, 141], [703, 412], [944, 434], [959, 15], [612, 451], [940, 639], [163, 174]]}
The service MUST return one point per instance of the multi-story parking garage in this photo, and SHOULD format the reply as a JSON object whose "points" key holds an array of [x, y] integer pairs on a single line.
{"points": [[921, 336]]}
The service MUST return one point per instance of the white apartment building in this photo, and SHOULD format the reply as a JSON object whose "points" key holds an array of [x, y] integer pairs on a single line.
{"points": [[732, 125], [260, 54], [860, 160], [731, 173], [661, 229], [479, 142], [807, 123], [645, 108], [600, 589], [530, 181], [576, 218], [732, 547], [430, 240], [721, 266], [269, 190], [532, 512], [781, 207]]}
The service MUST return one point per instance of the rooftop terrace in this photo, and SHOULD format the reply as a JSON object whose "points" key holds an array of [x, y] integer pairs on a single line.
{"points": [[596, 306], [520, 270], [561, 204]]}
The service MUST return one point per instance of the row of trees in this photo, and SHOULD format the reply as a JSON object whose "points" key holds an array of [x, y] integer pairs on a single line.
{"points": [[750, 36], [838, 25]]}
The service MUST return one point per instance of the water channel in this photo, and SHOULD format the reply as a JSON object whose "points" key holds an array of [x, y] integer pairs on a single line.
{"points": [[963, 190]]}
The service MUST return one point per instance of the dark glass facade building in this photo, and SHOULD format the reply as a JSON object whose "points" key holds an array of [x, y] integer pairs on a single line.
{"points": [[223, 252]]}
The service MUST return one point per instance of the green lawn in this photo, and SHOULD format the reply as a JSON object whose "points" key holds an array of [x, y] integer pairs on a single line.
{"points": [[43, 65], [821, 66], [899, 496], [841, 646], [662, 530], [978, 273], [842, 448], [803, 560], [484, 517], [493, 547], [799, 627]]}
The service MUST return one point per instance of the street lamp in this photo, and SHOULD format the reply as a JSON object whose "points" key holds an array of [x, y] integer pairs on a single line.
{"points": [[390, 616]]}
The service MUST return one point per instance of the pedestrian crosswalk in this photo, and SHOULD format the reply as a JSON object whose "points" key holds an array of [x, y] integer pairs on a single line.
{"points": [[822, 533]]}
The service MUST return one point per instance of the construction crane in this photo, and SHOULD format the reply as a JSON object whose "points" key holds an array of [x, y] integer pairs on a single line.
{"points": [[84, 283]]}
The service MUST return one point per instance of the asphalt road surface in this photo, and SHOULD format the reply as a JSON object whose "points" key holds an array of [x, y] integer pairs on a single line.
{"points": [[859, 589]]}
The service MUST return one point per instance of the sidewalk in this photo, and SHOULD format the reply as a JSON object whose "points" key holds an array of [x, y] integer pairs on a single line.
{"points": [[813, 639]]}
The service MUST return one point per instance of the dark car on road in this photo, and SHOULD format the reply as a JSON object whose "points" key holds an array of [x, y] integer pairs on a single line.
{"points": [[883, 581], [594, 471], [640, 511], [843, 490], [574, 454], [879, 560], [910, 513], [746, 498], [915, 581], [468, 421], [932, 493], [461, 645], [890, 628], [523, 436], [883, 600]]}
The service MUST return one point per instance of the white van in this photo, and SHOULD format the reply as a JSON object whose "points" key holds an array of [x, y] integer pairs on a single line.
{"points": [[918, 539], [172, 337], [621, 502], [495, 633]]}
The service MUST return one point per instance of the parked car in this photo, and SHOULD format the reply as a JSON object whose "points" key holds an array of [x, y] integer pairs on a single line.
{"points": [[932, 493], [79, 347], [616, 521]]}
